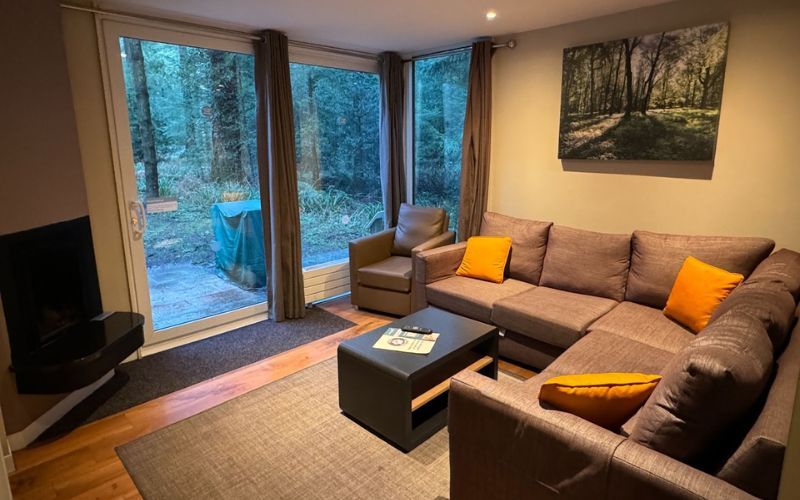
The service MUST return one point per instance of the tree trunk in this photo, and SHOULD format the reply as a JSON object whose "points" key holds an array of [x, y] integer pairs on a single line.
{"points": [[592, 56], [648, 87], [630, 45], [147, 136], [613, 104], [186, 73], [225, 165]]}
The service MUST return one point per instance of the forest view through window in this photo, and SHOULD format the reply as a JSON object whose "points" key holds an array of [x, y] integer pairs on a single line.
{"points": [[337, 125], [440, 99]]}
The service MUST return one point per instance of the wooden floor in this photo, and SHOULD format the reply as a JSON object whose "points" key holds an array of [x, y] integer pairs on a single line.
{"points": [[83, 464]]}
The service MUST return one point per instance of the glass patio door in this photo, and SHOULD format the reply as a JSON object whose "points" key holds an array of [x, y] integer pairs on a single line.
{"points": [[184, 111]]}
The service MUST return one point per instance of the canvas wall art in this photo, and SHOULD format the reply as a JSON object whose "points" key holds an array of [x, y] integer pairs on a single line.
{"points": [[652, 97]]}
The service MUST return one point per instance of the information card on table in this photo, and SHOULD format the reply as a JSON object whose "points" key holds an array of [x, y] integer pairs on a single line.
{"points": [[395, 339]]}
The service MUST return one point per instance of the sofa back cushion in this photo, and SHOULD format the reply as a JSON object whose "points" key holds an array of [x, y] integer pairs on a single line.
{"points": [[755, 465], [781, 269], [772, 305], [416, 225], [706, 388], [528, 243], [656, 259], [586, 262]]}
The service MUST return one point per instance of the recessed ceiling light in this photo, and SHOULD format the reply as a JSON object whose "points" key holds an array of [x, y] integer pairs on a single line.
{"points": [[491, 15]]}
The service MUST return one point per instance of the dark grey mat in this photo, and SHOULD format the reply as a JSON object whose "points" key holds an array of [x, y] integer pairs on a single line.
{"points": [[159, 374]]}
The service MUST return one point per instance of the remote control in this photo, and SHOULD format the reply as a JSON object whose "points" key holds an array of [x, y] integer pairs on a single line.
{"points": [[417, 329]]}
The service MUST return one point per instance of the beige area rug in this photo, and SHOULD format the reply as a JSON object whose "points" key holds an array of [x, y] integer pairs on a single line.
{"points": [[289, 440]]}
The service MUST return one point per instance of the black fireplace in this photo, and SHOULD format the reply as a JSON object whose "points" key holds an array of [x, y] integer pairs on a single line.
{"points": [[60, 340]]}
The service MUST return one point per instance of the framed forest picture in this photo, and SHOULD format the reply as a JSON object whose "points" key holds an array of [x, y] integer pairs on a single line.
{"points": [[652, 97]]}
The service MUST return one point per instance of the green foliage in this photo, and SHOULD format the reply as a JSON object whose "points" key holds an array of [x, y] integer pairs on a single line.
{"points": [[440, 96]]}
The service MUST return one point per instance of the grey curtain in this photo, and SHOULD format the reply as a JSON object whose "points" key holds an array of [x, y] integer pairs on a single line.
{"points": [[393, 174], [277, 174], [476, 141]]}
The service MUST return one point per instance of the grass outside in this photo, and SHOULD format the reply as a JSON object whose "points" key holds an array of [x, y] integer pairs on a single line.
{"points": [[670, 134], [329, 219]]}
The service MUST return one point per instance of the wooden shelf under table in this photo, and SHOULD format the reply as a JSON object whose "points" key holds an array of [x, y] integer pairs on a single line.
{"points": [[444, 386]]}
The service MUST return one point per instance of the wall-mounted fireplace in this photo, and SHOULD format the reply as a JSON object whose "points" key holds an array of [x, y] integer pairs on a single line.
{"points": [[60, 341]]}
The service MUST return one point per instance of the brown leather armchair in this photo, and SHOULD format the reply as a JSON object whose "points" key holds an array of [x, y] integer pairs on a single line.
{"points": [[382, 264]]}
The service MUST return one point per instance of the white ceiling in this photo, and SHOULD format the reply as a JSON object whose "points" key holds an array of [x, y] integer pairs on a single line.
{"points": [[407, 26]]}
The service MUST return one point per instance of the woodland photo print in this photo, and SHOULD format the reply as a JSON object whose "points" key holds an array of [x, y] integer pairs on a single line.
{"points": [[652, 97]]}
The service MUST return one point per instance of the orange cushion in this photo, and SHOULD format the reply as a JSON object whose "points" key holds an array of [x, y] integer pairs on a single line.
{"points": [[607, 399], [485, 258], [698, 290]]}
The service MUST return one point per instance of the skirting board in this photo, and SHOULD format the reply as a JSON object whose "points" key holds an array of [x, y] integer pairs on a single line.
{"points": [[9, 460], [26, 436]]}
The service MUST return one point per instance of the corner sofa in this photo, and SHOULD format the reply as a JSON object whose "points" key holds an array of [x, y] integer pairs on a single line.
{"points": [[579, 301]]}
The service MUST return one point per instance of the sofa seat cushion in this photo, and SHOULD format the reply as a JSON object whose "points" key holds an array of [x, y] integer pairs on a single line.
{"points": [[393, 274], [470, 297], [528, 243], [587, 262], [646, 325], [656, 259], [601, 352], [548, 315]]}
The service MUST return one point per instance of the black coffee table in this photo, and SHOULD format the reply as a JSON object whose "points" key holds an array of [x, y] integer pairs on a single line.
{"points": [[402, 396]]}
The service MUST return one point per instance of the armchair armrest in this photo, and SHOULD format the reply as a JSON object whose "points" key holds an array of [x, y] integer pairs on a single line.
{"points": [[639, 472], [446, 238], [365, 251], [504, 444]]}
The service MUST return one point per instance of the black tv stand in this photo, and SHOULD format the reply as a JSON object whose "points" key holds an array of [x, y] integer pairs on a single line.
{"points": [[80, 357]]}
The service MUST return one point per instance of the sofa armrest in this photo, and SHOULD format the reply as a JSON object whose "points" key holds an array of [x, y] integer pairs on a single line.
{"points": [[365, 251], [504, 444], [432, 265], [639, 472], [438, 263]]}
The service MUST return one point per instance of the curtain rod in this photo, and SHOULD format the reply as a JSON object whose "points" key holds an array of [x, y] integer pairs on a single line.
{"points": [[509, 44], [242, 35]]}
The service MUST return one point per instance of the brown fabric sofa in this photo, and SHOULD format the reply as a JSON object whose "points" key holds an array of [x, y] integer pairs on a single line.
{"points": [[382, 264], [597, 308]]}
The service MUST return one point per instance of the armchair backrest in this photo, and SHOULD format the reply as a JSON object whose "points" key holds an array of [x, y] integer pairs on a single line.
{"points": [[416, 225]]}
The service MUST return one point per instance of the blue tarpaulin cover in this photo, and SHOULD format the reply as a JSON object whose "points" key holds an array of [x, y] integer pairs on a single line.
{"points": [[239, 242]]}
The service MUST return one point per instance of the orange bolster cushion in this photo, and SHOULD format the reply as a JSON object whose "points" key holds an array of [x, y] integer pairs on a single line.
{"points": [[607, 399]]}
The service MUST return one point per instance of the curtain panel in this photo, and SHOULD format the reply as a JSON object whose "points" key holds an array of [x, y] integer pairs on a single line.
{"points": [[476, 141], [277, 173], [393, 174]]}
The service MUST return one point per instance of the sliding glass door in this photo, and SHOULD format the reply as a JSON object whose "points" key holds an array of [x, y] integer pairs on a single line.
{"points": [[184, 115], [182, 109], [440, 100]]}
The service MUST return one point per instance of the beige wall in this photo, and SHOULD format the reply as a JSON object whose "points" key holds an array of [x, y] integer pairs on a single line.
{"points": [[83, 63], [752, 188], [42, 178], [753, 185]]}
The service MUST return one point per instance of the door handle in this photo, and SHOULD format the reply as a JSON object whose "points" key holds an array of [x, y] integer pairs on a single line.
{"points": [[138, 219]]}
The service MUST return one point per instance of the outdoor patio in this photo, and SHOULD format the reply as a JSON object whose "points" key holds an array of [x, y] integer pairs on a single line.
{"points": [[180, 293]]}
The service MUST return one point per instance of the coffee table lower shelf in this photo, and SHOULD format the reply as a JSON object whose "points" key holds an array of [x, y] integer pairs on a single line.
{"points": [[444, 386]]}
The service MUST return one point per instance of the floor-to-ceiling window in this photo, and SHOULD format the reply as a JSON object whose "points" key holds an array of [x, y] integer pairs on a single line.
{"points": [[337, 124], [440, 97]]}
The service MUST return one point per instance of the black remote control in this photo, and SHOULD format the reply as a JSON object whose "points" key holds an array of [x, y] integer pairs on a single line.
{"points": [[417, 329]]}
